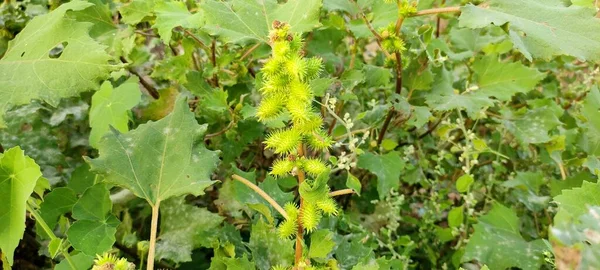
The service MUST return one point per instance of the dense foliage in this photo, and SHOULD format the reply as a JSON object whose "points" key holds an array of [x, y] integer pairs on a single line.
{"points": [[300, 134]]}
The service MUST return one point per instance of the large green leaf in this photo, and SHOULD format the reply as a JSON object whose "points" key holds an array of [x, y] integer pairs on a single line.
{"points": [[497, 242], [110, 107], [541, 28], [18, 176], [387, 168], [184, 228], [159, 159], [240, 21], [29, 71], [94, 231]]}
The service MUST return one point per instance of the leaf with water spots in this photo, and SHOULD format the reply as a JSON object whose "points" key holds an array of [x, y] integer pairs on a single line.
{"points": [[158, 160], [500, 226], [184, 228], [534, 125]]}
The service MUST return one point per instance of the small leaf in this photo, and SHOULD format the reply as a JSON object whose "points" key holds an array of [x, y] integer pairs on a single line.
{"points": [[135, 11], [321, 243], [110, 108], [387, 168], [354, 183], [464, 182], [172, 14], [456, 217], [56, 203], [94, 231], [80, 260]]}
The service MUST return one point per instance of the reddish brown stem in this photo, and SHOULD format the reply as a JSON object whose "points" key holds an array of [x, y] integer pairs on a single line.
{"points": [[213, 60], [299, 233]]}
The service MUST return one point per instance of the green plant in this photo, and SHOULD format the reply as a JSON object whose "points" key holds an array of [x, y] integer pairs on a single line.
{"points": [[221, 134]]}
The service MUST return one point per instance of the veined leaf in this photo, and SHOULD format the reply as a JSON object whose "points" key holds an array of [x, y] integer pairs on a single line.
{"points": [[241, 21], [535, 30], [159, 159], [110, 108], [18, 177], [30, 69]]}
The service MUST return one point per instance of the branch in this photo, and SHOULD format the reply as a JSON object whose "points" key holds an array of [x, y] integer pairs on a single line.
{"points": [[151, 90], [341, 192], [192, 36], [436, 11], [378, 37], [262, 194], [249, 51], [392, 111], [213, 59]]}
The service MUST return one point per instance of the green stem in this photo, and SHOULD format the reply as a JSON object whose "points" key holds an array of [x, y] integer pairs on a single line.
{"points": [[50, 233], [153, 230]]}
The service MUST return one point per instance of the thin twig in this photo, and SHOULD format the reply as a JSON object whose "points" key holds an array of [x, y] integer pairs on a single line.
{"points": [[249, 51], [378, 37], [213, 60], [192, 36], [392, 111], [436, 11], [262, 193], [151, 90], [341, 192]]}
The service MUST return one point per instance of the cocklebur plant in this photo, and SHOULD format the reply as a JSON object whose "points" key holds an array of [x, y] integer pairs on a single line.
{"points": [[286, 90]]}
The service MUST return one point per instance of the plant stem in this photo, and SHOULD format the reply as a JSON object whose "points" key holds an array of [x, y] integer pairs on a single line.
{"points": [[249, 51], [39, 220], [153, 229], [151, 90], [299, 233], [436, 11], [341, 192], [262, 193], [392, 111], [213, 60], [378, 37]]}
